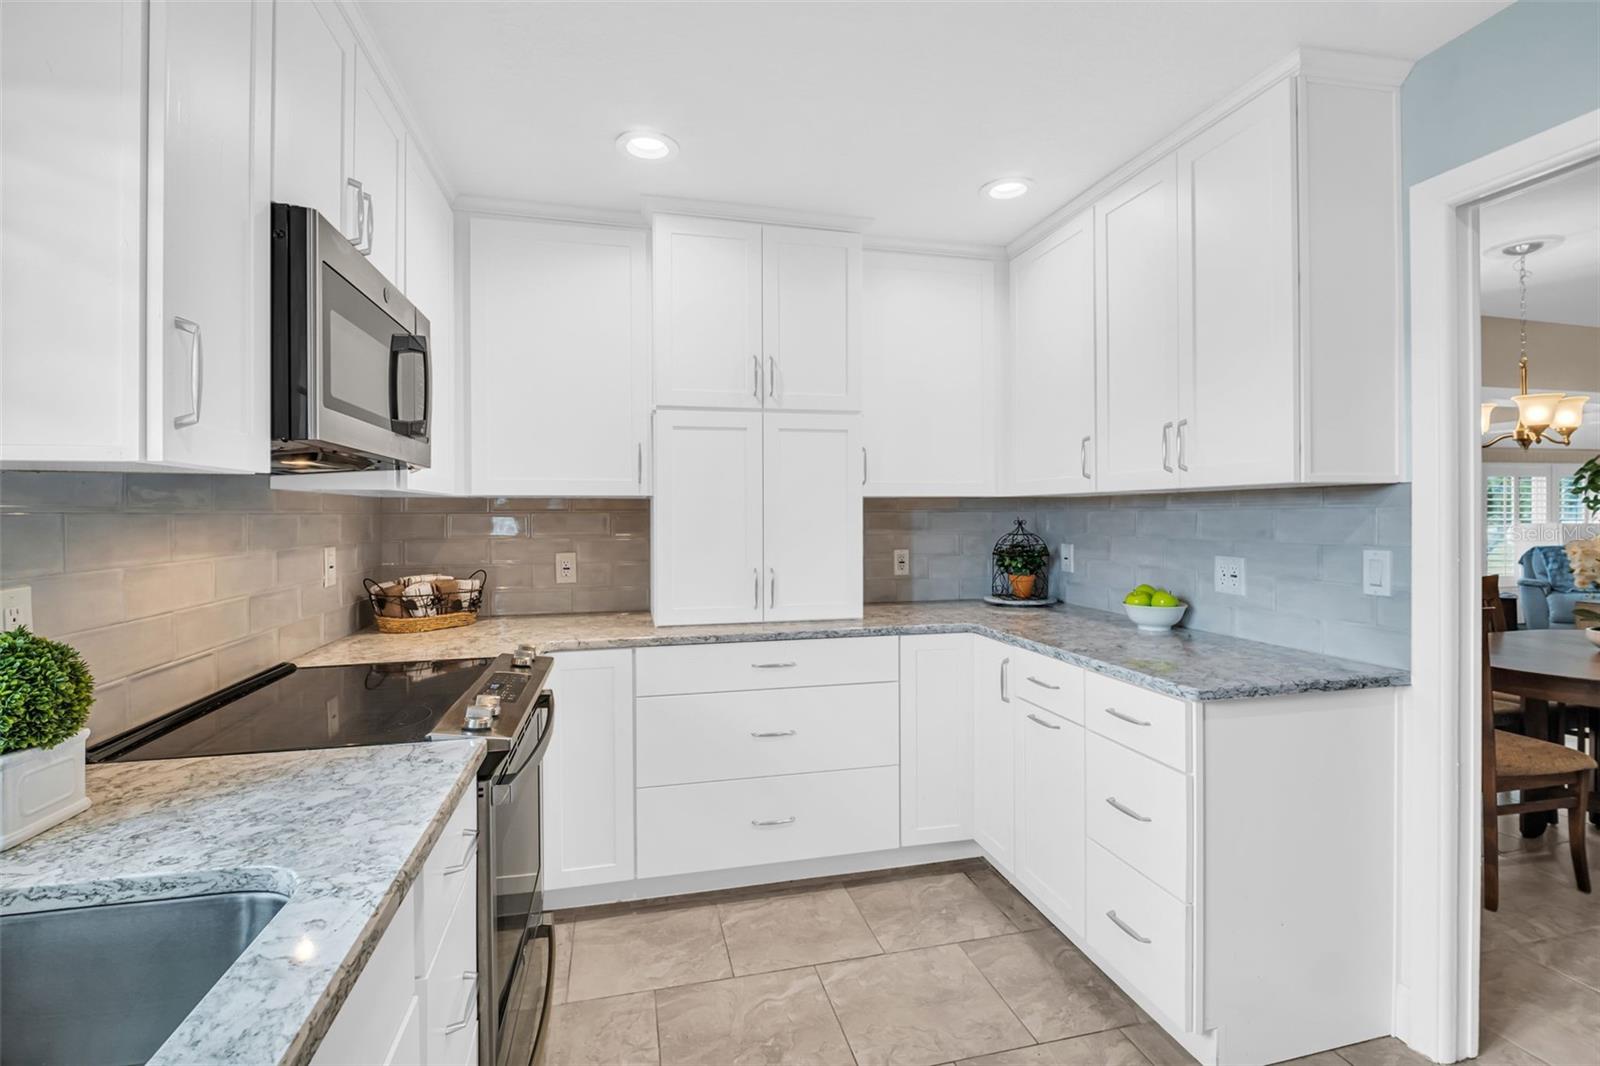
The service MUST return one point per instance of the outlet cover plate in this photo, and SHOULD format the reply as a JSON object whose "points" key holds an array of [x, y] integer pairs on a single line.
{"points": [[1066, 559], [566, 568], [1377, 572], [330, 567], [902, 562], [17, 605], [1229, 575]]}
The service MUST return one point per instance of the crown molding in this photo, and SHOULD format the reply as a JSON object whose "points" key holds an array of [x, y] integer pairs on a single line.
{"points": [[778, 216], [535, 210], [950, 249]]}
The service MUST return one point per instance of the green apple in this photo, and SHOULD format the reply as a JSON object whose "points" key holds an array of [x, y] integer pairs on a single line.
{"points": [[1148, 590], [1138, 598], [1163, 598]]}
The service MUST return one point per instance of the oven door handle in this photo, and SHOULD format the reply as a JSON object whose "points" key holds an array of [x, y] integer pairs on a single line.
{"points": [[500, 791]]}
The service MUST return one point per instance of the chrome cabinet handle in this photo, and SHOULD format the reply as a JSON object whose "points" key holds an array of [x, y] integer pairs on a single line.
{"points": [[1005, 680], [1041, 721], [1166, 446], [772, 376], [1083, 459], [762, 822], [772, 587], [771, 666], [775, 733], [755, 376], [466, 1015], [755, 575], [1183, 462], [1129, 811], [1044, 684], [196, 370], [641, 462], [361, 211], [1126, 928], [466, 858], [863, 466], [1113, 712], [372, 223]]}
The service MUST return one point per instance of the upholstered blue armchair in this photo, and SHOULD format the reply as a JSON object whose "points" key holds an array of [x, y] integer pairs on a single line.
{"points": [[1546, 591]]}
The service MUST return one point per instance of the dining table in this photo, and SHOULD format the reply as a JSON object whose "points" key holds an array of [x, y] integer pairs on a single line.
{"points": [[1545, 666]]}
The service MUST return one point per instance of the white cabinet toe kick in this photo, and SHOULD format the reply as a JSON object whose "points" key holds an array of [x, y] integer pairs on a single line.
{"points": [[1229, 864]]}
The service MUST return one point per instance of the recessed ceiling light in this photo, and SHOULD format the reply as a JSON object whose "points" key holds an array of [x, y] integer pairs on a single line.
{"points": [[1007, 188], [647, 144]]}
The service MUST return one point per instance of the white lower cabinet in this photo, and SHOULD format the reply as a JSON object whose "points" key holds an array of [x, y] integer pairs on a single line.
{"points": [[1142, 931], [587, 774], [935, 738], [1050, 830], [994, 728]]}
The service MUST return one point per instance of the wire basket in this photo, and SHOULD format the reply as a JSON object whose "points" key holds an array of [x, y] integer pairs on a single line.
{"points": [[425, 602], [1021, 567]]}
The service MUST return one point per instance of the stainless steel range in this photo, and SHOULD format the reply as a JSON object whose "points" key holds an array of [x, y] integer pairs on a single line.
{"points": [[503, 701]]}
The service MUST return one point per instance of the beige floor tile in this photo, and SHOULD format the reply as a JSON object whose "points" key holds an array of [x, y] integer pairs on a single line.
{"points": [[1096, 1049], [751, 1021], [651, 949], [1553, 1017], [1577, 956], [1385, 1051], [1538, 903], [1321, 1058], [620, 1031], [1049, 985], [922, 911], [801, 929], [997, 891], [1154, 1043], [920, 1007], [563, 961], [1496, 1050]]}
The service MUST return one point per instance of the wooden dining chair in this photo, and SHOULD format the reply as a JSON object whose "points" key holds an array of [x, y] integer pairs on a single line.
{"points": [[1560, 776], [1493, 603]]}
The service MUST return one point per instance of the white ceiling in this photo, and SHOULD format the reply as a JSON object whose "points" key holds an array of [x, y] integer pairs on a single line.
{"points": [[1564, 280], [893, 111]]}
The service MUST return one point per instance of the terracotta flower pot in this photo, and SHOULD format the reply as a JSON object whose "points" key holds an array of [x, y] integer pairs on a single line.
{"points": [[1022, 585]]}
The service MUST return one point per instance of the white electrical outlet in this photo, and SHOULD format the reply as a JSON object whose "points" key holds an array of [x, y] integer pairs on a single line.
{"points": [[1066, 559], [17, 605], [330, 567], [566, 568], [1230, 575], [902, 562], [1377, 572]]}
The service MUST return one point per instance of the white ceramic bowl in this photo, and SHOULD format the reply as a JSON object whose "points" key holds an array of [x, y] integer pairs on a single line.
{"points": [[1593, 633], [1155, 619]]}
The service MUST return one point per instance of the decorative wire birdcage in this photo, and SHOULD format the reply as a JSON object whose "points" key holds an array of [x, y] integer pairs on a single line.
{"points": [[1021, 566]]}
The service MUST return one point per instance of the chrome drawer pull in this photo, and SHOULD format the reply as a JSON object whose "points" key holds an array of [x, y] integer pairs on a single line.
{"points": [[775, 733], [466, 859], [1005, 678], [1129, 811], [772, 666], [1126, 928], [472, 999], [1041, 721], [760, 822], [1044, 684], [1113, 712]]}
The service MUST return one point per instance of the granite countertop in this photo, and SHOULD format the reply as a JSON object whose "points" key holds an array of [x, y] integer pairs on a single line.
{"points": [[342, 833], [1188, 664]]}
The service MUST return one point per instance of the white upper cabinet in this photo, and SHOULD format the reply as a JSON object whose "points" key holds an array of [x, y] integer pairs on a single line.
{"points": [[1050, 412], [135, 325], [1137, 352], [811, 319], [812, 519], [313, 102], [928, 375], [430, 273], [560, 319], [379, 166], [750, 316], [707, 278]]}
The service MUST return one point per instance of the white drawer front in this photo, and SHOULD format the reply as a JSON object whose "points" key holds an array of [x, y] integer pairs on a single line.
{"points": [[766, 664], [1142, 932], [726, 824], [452, 986], [371, 1023], [450, 868], [1139, 810], [725, 735], [1143, 720], [1045, 682]]}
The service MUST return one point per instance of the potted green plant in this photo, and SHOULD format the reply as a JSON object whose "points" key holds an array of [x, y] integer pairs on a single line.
{"points": [[1584, 555], [45, 695], [1022, 563]]}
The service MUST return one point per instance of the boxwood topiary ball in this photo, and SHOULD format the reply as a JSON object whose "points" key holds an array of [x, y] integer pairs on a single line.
{"points": [[45, 691]]}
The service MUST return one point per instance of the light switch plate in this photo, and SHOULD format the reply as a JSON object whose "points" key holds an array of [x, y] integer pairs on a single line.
{"points": [[566, 568], [17, 605], [902, 562], [1377, 572], [330, 567], [1229, 575], [1066, 559]]}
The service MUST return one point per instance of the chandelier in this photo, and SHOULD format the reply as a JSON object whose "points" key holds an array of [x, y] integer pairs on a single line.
{"points": [[1542, 417]]}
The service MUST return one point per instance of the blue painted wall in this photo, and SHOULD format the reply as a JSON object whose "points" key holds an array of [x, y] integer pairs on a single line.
{"points": [[1532, 66]]}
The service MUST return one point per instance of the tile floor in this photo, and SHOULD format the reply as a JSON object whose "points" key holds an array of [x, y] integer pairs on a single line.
{"points": [[949, 964]]}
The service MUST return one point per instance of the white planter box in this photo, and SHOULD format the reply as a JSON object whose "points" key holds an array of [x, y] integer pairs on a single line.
{"points": [[41, 787]]}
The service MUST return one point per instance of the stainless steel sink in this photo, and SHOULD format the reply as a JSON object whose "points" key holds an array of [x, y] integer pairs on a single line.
{"points": [[108, 984]]}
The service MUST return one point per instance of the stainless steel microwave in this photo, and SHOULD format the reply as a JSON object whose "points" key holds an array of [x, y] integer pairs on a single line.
{"points": [[351, 371]]}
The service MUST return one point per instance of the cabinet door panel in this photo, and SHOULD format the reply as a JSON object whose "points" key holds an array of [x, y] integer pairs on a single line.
{"points": [[560, 357], [707, 278], [1136, 247], [431, 285], [811, 314], [588, 773], [993, 755], [1050, 413], [1236, 283], [705, 521], [812, 516], [1050, 817], [928, 375], [380, 166], [935, 739], [210, 66], [313, 103]]}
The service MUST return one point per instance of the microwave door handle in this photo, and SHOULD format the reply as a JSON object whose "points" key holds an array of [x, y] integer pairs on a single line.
{"points": [[399, 345]]}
